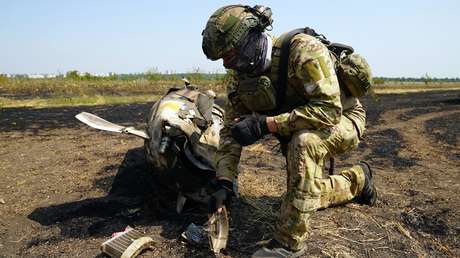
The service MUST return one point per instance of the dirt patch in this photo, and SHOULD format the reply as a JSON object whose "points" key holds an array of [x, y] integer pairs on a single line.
{"points": [[417, 103], [445, 129], [406, 116], [429, 222], [446, 132], [385, 146], [66, 188]]}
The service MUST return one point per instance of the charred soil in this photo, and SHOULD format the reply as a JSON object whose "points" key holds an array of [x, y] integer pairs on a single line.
{"points": [[65, 188]]}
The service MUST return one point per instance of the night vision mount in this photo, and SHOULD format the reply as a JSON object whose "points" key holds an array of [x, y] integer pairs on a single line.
{"points": [[264, 14]]}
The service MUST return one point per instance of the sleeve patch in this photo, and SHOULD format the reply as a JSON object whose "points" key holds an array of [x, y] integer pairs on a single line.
{"points": [[313, 70]]}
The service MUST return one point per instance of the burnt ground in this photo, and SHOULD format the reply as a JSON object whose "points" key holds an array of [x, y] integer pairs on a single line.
{"points": [[65, 188]]}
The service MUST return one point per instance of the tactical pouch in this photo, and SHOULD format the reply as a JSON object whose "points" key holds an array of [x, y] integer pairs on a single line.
{"points": [[257, 94], [355, 74]]}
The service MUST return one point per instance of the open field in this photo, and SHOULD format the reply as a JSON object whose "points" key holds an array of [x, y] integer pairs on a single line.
{"points": [[52, 88], [77, 101], [66, 188], [71, 92], [395, 87]]}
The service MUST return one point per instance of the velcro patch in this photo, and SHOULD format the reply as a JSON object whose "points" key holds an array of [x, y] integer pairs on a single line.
{"points": [[229, 23], [313, 70]]}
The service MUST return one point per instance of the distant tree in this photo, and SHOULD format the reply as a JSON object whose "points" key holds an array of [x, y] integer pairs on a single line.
{"points": [[72, 74], [153, 74], [427, 78], [112, 76], [3, 78], [378, 80], [196, 75], [87, 76]]}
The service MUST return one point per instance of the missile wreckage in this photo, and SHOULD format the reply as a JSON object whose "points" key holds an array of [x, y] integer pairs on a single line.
{"points": [[180, 140]]}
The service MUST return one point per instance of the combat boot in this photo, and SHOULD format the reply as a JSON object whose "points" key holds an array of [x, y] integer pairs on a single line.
{"points": [[369, 193], [275, 249]]}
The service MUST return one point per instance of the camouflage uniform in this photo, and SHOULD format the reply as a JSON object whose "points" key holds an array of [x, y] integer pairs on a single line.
{"points": [[316, 122]]}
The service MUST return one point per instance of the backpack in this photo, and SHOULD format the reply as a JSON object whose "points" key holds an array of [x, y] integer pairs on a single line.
{"points": [[353, 71]]}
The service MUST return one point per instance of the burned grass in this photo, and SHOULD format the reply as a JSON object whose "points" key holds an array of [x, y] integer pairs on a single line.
{"points": [[445, 129], [66, 188], [385, 146]]}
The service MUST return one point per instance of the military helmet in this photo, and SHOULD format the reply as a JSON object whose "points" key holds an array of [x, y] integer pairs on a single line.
{"points": [[229, 25]]}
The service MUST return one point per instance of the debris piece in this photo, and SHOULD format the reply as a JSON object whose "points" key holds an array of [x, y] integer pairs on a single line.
{"points": [[131, 212], [2, 201], [218, 230], [126, 244], [195, 234]]}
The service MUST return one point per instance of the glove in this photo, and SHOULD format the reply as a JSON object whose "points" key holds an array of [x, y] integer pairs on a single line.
{"points": [[249, 129], [221, 197]]}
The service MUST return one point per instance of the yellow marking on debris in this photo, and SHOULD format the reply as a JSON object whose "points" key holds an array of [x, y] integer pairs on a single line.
{"points": [[171, 105]]}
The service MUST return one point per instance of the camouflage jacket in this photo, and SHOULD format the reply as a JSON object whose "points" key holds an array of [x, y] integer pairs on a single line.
{"points": [[313, 99]]}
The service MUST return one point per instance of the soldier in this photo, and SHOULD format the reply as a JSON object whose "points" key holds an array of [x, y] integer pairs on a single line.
{"points": [[313, 118]]}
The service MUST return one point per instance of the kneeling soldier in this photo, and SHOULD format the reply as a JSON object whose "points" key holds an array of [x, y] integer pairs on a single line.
{"points": [[307, 110]]}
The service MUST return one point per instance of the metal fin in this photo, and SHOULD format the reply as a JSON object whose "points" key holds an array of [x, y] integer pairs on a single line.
{"points": [[218, 230], [101, 124], [127, 244]]}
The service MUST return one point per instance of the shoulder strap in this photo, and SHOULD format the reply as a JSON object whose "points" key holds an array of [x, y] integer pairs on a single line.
{"points": [[283, 66], [338, 48], [284, 58], [280, 86]]}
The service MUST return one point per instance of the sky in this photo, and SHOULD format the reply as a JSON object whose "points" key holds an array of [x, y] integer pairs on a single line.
{"points": [[398, 38]]}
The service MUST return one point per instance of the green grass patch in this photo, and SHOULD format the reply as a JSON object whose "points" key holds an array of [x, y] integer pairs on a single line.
{"points": [[76, 101]]}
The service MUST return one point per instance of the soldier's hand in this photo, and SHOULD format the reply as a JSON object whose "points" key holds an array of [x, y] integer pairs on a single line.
{"points": [[222, 197], [249, 129]]}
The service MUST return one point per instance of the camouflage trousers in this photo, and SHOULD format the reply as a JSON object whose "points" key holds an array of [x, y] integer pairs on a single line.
{"points": [[307, 190]]}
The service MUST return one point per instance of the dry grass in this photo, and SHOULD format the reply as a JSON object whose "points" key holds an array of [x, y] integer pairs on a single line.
{"points": [[67, 92], [416, 87], [47, 88], [52, 88], [75, 101]]}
